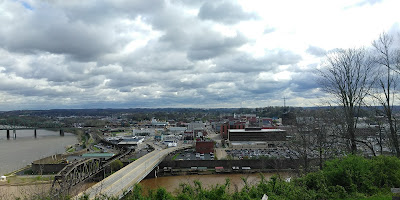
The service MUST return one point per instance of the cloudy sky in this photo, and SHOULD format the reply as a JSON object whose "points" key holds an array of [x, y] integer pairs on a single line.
{"points": [[176, 53]]}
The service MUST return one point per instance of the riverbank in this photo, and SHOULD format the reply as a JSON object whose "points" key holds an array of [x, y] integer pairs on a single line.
{"points": [[206, 171], [36, 189], [27, 180]]}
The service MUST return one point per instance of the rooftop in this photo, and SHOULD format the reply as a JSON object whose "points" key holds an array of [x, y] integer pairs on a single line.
{"points": [[255, 130]]}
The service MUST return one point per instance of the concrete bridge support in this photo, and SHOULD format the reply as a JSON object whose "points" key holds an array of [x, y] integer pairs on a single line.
{"points": [[155, 171]]}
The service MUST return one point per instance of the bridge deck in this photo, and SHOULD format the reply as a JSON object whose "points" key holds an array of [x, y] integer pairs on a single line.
{"points": [[124, 179]]}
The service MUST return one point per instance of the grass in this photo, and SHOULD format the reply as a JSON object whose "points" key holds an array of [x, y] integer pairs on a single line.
{"points": [[17, 180], [175, 156], [71, 149], [95, 148], [375, 197]]}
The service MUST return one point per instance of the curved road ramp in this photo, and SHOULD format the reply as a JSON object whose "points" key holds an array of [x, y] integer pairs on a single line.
{"points": [[122, 181]]}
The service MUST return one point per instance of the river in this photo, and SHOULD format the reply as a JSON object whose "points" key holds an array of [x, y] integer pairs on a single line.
{"points": [[19, 152], [171, 183]]}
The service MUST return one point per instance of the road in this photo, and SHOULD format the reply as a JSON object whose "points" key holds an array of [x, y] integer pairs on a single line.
{"points": [[219, 151]]}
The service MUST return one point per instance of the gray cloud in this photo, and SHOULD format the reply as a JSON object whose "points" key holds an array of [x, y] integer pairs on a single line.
{"points": [[303, 82], [245, 63], [92, 12], [85, 31], [363, 3], [316, 51], [370, 2], [224, 12], [269, 30], [212, 45], [135, 54]]}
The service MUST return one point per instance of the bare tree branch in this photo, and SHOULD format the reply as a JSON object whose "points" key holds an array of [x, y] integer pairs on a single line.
{"points": [[387, 60], [348, 77]]}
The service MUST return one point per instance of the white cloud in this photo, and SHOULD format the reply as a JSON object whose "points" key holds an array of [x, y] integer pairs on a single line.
{"points": [[177, 53]]}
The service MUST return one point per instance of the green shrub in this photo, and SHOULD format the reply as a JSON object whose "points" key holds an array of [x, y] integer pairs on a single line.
{"points": [[385, 171], [116, 165], [353, 173]]}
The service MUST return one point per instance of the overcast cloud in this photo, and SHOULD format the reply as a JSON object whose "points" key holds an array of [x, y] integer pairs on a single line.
{"points": [[176, 53]]}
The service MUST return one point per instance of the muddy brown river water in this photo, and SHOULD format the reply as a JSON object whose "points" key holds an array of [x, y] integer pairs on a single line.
{"points": [[171, 183]]}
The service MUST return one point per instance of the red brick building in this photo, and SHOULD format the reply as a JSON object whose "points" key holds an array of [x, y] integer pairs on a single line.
{"points": [[225, 127], [205, 146]]}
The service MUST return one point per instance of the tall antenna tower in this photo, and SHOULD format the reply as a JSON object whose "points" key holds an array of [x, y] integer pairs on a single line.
{"points": [[285, 109], [284, 102]]}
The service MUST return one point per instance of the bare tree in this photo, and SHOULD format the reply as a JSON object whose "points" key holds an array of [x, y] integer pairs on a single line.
{"points": [[347, 76], [300, 144], [386, 58], [311, 138]]}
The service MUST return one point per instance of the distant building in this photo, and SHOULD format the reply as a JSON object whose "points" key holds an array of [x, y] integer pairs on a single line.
{"points": [[177, 130], [172, 145], [188, 135], [205, 146], [256, 138], [169, 139], [131, 141], [230, 125], [216, 126], [266, 122], [158, 124]]}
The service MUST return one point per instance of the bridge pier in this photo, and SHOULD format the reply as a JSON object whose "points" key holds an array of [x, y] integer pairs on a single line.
{"points": [[35, 133], [61, 132], [155, 171], [8, 134]]}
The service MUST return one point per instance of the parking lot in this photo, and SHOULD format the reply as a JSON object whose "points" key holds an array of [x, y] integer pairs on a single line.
{"points": [[257, 153], [192, 155]]}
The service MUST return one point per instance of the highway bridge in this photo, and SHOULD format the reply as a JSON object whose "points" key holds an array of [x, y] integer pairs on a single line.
{"points": [[122, 181], [14, 128]]}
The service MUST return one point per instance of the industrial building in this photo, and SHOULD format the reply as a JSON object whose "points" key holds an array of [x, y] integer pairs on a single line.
{"points": [[131, 141], [256, 138], [230, 125], [205, 146]]}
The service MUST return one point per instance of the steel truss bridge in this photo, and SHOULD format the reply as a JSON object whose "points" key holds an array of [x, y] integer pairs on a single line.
{"points": [[80, 171]]}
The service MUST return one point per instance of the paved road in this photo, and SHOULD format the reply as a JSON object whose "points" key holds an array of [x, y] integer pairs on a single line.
{"points": [[124, 179], [220, 152]]}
